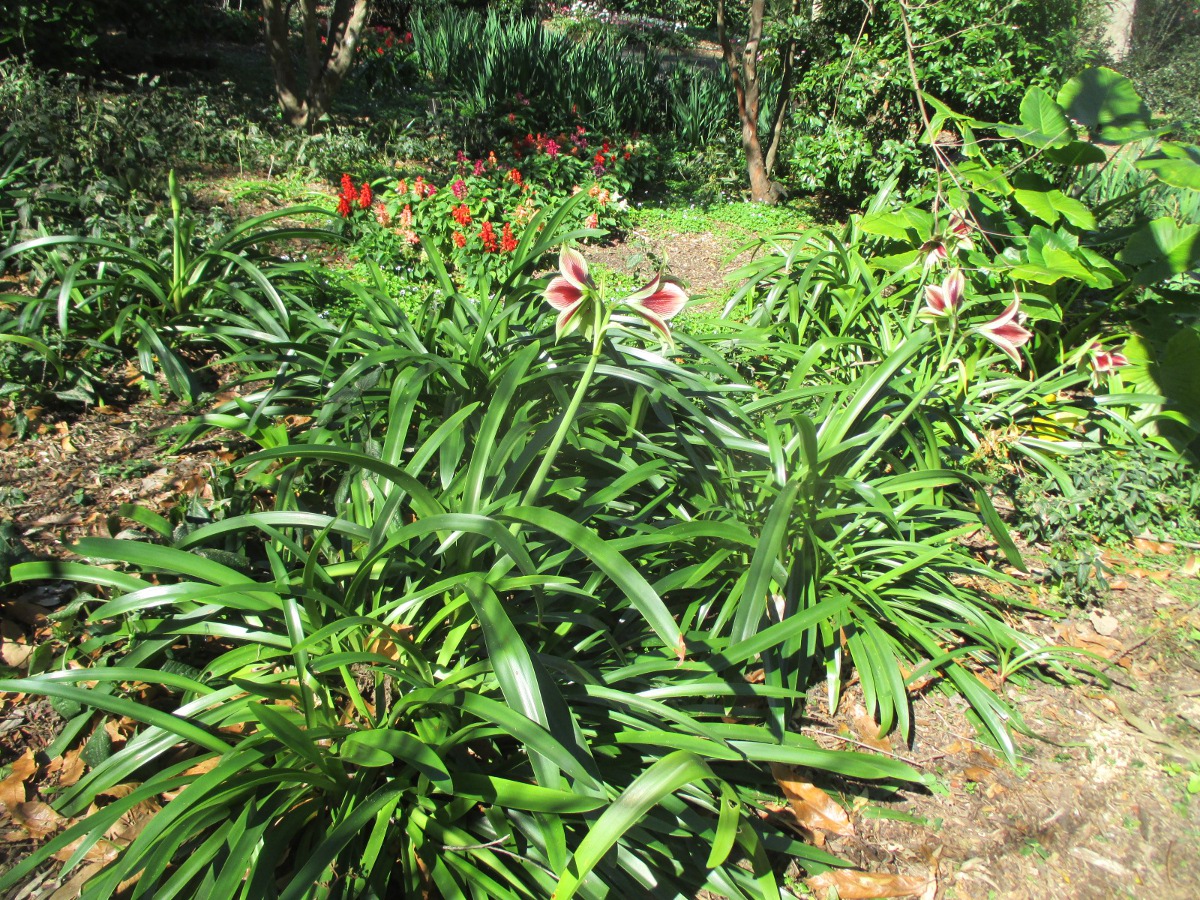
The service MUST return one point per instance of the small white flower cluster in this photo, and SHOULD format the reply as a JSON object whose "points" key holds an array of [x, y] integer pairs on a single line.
{"points": [[581, 9]]}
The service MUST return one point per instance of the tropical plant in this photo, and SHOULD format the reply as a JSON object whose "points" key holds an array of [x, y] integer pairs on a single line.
{"points": [[156, 300], [483, 642]]}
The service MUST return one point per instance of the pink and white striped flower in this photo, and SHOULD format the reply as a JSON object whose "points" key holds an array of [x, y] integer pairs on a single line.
{"points": [[570, 292], [944, 300], [658, 301], [1104, 361], [1005, 331]]}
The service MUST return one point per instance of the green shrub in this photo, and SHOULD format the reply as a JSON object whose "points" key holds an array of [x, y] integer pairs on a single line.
{"points": [[50, 33], [857, 120], [1116, 495]]}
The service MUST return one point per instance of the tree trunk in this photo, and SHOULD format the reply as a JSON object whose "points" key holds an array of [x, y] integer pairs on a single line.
{"points": [[326, 64], [748, 91], [1118, 27]]}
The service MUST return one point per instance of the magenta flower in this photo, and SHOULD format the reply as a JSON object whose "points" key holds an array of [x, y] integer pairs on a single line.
{"points": [[946, 299], [1006, 332], [459, 189], [568, 292], [658, 301], [961, 230], [1106, 361]]}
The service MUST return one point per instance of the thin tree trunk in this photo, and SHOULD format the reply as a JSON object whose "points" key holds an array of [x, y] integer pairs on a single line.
{"points": [[745, 87], [326, 64], [1118, 27]]}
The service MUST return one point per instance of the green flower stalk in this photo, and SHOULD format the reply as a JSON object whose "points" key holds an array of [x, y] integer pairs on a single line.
{"points": [[581, 307]]}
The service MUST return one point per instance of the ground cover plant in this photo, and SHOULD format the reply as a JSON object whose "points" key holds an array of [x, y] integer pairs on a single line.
{"points": [[529, 586]]}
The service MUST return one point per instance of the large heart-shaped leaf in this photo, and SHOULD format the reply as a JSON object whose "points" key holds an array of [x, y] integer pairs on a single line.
{"points": [[1050, 206], [1043, 122], [1162, 249], [1107, 104], [1176, 164]]}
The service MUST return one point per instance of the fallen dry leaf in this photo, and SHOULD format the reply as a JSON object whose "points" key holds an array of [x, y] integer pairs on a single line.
{"points": [[12, 788], [976, 773], [1072, 636], [74, 887], [1104, 623], [102, 851], [69, 768], [851, 885], [37, 818], [14, 653], [387, 644], [812, 807], [1191, 568], [867, 731]]}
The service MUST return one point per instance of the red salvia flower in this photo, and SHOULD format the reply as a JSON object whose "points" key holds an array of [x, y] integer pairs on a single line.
{"points": [[488, 234], [508, 243], [461, 215], [514, 175], [364, 196], [348, 190], [460, 239], [343, 207]]}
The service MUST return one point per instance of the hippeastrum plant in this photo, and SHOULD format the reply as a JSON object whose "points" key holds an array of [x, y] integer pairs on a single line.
{"points": [[1005, 331], [575, 295], [581, 306], [945, 299]]}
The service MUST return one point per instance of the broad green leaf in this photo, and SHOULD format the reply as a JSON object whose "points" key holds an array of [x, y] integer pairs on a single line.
{"points": [[905, 224], [1107, 104], [1162, 249], [1049, 206], [1176, 164], [1043, 123]]}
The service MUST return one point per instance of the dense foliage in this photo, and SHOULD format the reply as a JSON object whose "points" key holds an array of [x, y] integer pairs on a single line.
{"points": [[524, 591]]}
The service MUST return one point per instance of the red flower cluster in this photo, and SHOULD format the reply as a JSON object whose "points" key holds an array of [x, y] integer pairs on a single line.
{"points": [[508, 243], [461, 215], [460, 239], [488, 234], [351, 195], [514, 175]]}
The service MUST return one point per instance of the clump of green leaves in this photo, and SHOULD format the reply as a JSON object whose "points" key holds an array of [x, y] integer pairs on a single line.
{"points": [[1117, 494]]}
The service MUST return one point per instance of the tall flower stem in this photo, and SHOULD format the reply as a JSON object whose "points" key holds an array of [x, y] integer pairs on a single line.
{"points": [[533, 492]]}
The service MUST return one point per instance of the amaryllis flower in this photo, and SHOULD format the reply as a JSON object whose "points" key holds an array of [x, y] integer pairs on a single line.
{"points": [[1006, 332], [961, 230], [657, 302], [944, 300], [1106, 361], [568, 292]]}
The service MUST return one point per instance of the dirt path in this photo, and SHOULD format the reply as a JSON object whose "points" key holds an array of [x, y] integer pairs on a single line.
{"points": [[1104, 801]]}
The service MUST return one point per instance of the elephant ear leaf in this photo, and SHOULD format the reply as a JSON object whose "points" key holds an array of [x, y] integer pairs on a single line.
{"points": [[1043, 123], [1175, 164], [1107, 104], [1162, 249]]}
